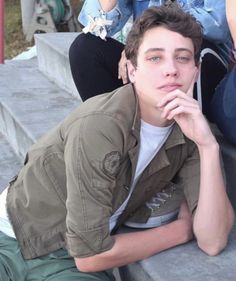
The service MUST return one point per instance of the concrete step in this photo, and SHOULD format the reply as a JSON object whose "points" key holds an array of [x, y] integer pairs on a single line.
{"points": [[10, 163], [53, 60], [185, 263], [30, 104]]}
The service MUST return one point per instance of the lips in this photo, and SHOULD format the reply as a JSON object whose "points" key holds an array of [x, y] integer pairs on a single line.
{"points": [[170, 87]]}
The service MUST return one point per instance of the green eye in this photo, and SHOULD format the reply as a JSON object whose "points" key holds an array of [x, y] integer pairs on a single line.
{"points": [[154, 59]]}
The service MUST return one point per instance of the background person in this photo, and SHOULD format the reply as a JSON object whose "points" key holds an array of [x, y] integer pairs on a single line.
{"points": [[223, 105]]}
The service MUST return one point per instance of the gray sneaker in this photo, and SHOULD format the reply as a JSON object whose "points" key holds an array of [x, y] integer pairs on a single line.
{"points": [[164, 207]]}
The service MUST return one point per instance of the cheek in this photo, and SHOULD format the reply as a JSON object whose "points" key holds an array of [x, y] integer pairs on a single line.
{"points": [[149, 75], [145, 80], [190, 74]]}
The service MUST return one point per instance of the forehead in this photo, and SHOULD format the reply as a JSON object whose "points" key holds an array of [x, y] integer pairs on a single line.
{"points": [[167, 40]]}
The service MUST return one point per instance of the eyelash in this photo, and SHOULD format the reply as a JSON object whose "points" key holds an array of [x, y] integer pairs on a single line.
{"points": [[156, 59], [183, 59]]}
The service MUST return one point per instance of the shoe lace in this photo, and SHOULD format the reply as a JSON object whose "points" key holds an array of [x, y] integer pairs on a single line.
{"points": [[160, 198]]}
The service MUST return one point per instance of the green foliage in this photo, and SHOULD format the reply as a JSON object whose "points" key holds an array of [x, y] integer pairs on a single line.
{"points": [[15, 42]]}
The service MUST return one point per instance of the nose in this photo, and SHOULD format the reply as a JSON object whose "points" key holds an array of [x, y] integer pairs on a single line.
{"points": [[170, 69]]}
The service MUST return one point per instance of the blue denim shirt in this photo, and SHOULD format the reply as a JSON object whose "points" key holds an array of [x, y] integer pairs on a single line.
{"points": [[119, 14], [210, 13]]}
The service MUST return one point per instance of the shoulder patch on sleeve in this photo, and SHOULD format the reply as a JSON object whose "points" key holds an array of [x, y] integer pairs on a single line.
{"points": [[111, 162]]}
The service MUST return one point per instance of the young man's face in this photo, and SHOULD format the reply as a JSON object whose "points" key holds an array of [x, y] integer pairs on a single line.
{"points": [[165, 62]]}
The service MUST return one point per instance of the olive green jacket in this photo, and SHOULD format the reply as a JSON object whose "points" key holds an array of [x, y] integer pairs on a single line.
{"points": [[78, 175]]}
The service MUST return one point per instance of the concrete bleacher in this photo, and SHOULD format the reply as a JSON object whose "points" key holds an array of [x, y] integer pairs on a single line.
{"points": [[185, 263], [36, 95], [30, 103]]}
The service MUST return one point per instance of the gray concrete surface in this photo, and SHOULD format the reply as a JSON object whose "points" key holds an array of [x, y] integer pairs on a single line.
{"points": [[27, 11], [10, 163], [185, 263], [29, 103], [52, 49]]}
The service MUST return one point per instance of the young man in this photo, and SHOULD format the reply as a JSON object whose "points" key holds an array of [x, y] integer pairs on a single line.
{"points": [[100, 166]]}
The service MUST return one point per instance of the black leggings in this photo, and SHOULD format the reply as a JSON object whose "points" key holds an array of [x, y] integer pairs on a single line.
{"points": [[94, 67]]}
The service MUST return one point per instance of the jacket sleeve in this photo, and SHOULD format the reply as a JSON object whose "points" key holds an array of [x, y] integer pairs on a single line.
{"points": [[111, 22], [92, 157], [212, 16]]}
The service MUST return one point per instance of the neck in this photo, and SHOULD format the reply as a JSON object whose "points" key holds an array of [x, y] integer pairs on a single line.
{"points": [[150, 113]]}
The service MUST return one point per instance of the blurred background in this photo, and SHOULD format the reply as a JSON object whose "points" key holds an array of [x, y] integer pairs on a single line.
{"points": [[22, 18]]}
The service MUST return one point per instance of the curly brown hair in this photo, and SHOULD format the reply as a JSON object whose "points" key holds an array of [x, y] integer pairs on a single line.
{"points": [[171, 17]]}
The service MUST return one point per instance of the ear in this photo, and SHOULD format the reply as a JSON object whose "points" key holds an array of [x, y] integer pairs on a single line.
{"points": [[131, 69]]}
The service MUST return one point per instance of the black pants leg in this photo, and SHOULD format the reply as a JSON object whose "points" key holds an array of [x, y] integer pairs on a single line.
{"points": [[212, 72], [94, 64]]}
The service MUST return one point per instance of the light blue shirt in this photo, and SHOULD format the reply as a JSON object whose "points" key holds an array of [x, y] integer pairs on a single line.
{"points": [[210, 13]]}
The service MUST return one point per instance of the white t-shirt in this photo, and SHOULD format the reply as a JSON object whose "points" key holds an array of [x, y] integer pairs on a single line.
{"points": [[151, 140], [5, 225]]}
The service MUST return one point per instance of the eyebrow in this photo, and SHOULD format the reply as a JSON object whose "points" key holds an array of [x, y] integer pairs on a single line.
{"points": [[162, 50]]}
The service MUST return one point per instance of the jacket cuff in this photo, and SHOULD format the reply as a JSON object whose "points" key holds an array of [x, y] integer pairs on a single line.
{"points": [[89, 243]]}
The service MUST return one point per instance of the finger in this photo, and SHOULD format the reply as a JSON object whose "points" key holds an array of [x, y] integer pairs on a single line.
{"points": [[179, 111], [172, 96], [178, 106], [120, 67], [125, 80], [178, 101], [119, 71], [124, 74]]}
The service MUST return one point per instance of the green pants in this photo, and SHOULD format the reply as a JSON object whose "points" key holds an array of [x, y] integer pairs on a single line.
{"points": [[57, 266]]}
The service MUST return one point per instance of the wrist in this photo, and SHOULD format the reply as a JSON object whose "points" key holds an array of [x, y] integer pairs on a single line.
{"points": [[108, 5], [210, 144], [210, 149]]}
